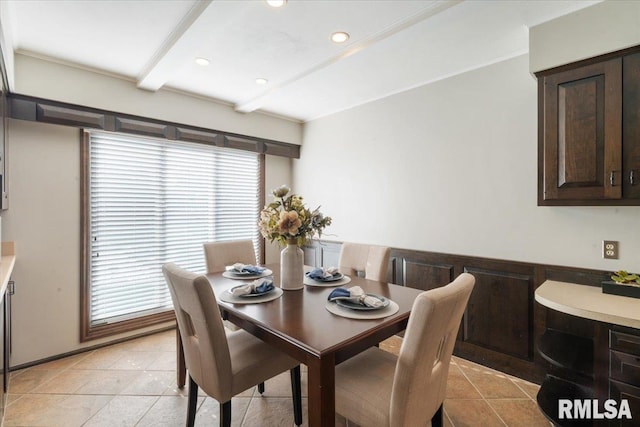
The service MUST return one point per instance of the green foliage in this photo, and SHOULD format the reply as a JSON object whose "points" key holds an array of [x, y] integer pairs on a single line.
{"points": [[624, 277]]}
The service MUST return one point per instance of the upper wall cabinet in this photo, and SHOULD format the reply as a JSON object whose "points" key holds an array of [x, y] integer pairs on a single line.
{"points": [[589, 133]]}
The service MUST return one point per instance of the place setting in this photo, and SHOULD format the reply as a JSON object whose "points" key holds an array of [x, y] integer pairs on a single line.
{"points": [[325, 277], [257, 291], [355, 303], [241, 271]]}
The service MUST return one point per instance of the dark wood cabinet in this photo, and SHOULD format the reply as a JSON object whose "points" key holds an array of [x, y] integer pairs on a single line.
{"points": [[589, 133], [624, 370]]}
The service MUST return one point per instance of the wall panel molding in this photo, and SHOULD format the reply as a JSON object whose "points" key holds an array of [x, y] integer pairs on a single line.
{"points": [[34, 109], [503, 322]]}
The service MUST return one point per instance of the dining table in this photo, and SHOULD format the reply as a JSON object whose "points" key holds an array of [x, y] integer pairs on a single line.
{"points": [[300, 324]]}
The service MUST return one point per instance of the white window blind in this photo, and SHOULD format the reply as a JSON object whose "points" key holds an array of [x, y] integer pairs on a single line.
{"points": [[156, 201]]}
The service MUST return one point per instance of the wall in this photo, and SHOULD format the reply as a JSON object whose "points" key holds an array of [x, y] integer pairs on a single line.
{"points": [[452, 167], [44, 221], [602, 28], [44, 192], [278, 173], [59, 82]]}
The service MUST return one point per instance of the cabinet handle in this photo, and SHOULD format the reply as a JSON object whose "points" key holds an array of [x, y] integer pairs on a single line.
{"points": [[612, 176], [12, 287], [632, 177]]}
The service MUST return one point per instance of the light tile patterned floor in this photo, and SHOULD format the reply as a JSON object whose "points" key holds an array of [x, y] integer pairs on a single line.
{"points": [[133, 384]]}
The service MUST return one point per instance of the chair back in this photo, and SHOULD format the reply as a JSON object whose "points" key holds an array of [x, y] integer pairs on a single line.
{"points": [[420, 381], [220, 254], [206, 350], [370, 259]]}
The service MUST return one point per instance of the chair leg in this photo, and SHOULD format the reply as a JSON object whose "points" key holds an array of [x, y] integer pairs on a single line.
{"points": [[225, 414], [436, 420], [297, 395], [261, 388], [193, 400]]}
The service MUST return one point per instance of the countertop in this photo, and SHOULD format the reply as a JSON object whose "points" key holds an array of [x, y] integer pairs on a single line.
{"points": [[6, 265], [589, 302]]}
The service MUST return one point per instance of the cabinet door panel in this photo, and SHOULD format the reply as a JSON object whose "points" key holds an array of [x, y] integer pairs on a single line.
{"points": [[631, 394], [624, 367], [631, 127], [580, 127], [426, 276], [498, 316], [583, 133]]}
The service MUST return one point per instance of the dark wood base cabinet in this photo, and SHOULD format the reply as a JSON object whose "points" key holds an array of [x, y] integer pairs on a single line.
{"points": [[5, 346], [602, 366]]}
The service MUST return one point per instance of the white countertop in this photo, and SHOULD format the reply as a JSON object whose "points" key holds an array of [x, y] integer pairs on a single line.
{"points": [[589, 302], [7, 262]]}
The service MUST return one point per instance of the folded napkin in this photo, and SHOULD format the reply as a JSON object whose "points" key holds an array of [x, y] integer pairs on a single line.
{"points": [[356, 295], [323, 273], [247, 268], [259, 286]]}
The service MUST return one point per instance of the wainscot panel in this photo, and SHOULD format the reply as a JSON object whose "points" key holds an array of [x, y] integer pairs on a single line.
{"points": [[502, 324]]}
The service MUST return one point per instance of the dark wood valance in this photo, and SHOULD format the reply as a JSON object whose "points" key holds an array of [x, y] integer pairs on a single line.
{"points": [[35, 109]]}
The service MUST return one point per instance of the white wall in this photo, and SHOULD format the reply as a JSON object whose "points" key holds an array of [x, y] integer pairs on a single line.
{"points": [[452, 167], [605, 27], [59, 82], [278, 172], [44, 192], [44, 221]]}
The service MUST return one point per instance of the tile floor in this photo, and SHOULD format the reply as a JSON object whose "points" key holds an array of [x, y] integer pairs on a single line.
{"points": [[133, 384]]}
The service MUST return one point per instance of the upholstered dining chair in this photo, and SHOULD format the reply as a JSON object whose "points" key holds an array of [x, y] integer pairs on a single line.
{"points": [[370, 260], [221, 364], [218, 255], [376, 388]]}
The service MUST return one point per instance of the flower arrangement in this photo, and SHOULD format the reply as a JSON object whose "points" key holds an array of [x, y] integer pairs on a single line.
{"points": [[287, 219]]}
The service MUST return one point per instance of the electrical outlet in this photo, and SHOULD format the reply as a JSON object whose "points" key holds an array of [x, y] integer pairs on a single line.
{"points": [[610, 249]]}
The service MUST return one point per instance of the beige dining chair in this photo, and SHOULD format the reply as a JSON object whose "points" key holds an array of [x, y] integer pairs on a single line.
{"points": [[218, 255], [221, 364], [357, 259], [376, 388]]}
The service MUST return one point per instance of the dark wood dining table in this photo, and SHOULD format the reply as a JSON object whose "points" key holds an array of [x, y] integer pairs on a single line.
{"points": [[299, 324]]}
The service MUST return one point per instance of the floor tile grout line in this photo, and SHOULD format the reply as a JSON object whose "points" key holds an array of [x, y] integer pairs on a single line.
{"points": [[482, 395], [147, 411]]}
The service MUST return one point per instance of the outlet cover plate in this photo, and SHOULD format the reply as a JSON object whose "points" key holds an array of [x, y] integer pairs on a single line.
{"points": [[610, 249]]}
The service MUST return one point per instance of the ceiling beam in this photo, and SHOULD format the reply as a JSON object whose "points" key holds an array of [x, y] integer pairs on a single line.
{"points": [[180, 46], [430, 10]]}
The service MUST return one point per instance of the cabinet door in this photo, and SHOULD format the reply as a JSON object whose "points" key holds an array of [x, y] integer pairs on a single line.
{"points": [[583, 133], [631, 127], [631, 394]]}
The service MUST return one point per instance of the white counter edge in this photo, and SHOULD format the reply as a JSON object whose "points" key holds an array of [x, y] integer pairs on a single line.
{"points": [[589, 302]]}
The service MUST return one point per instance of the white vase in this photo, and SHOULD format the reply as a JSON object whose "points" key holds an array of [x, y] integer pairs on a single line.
{"points": [[291, 267]]}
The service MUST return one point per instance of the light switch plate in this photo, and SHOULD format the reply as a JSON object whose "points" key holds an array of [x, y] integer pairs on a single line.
{"points": [[610, 249]]}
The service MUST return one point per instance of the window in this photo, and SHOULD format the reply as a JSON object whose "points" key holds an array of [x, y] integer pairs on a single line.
{"points": [[149, 202]]}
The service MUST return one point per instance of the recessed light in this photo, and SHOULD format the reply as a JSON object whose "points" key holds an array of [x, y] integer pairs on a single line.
{"points": [[339, 37], [262, 81], [202, 61], [276, 3]]}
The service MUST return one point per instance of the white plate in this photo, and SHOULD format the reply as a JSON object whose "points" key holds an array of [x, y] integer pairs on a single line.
{"points": [[229, 275], [227, 296], [252, 294], [354, 306], [330, 279], [310, 282]]}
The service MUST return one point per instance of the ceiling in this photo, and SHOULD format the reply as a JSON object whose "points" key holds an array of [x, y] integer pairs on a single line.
{"points": [[393, 45]]}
